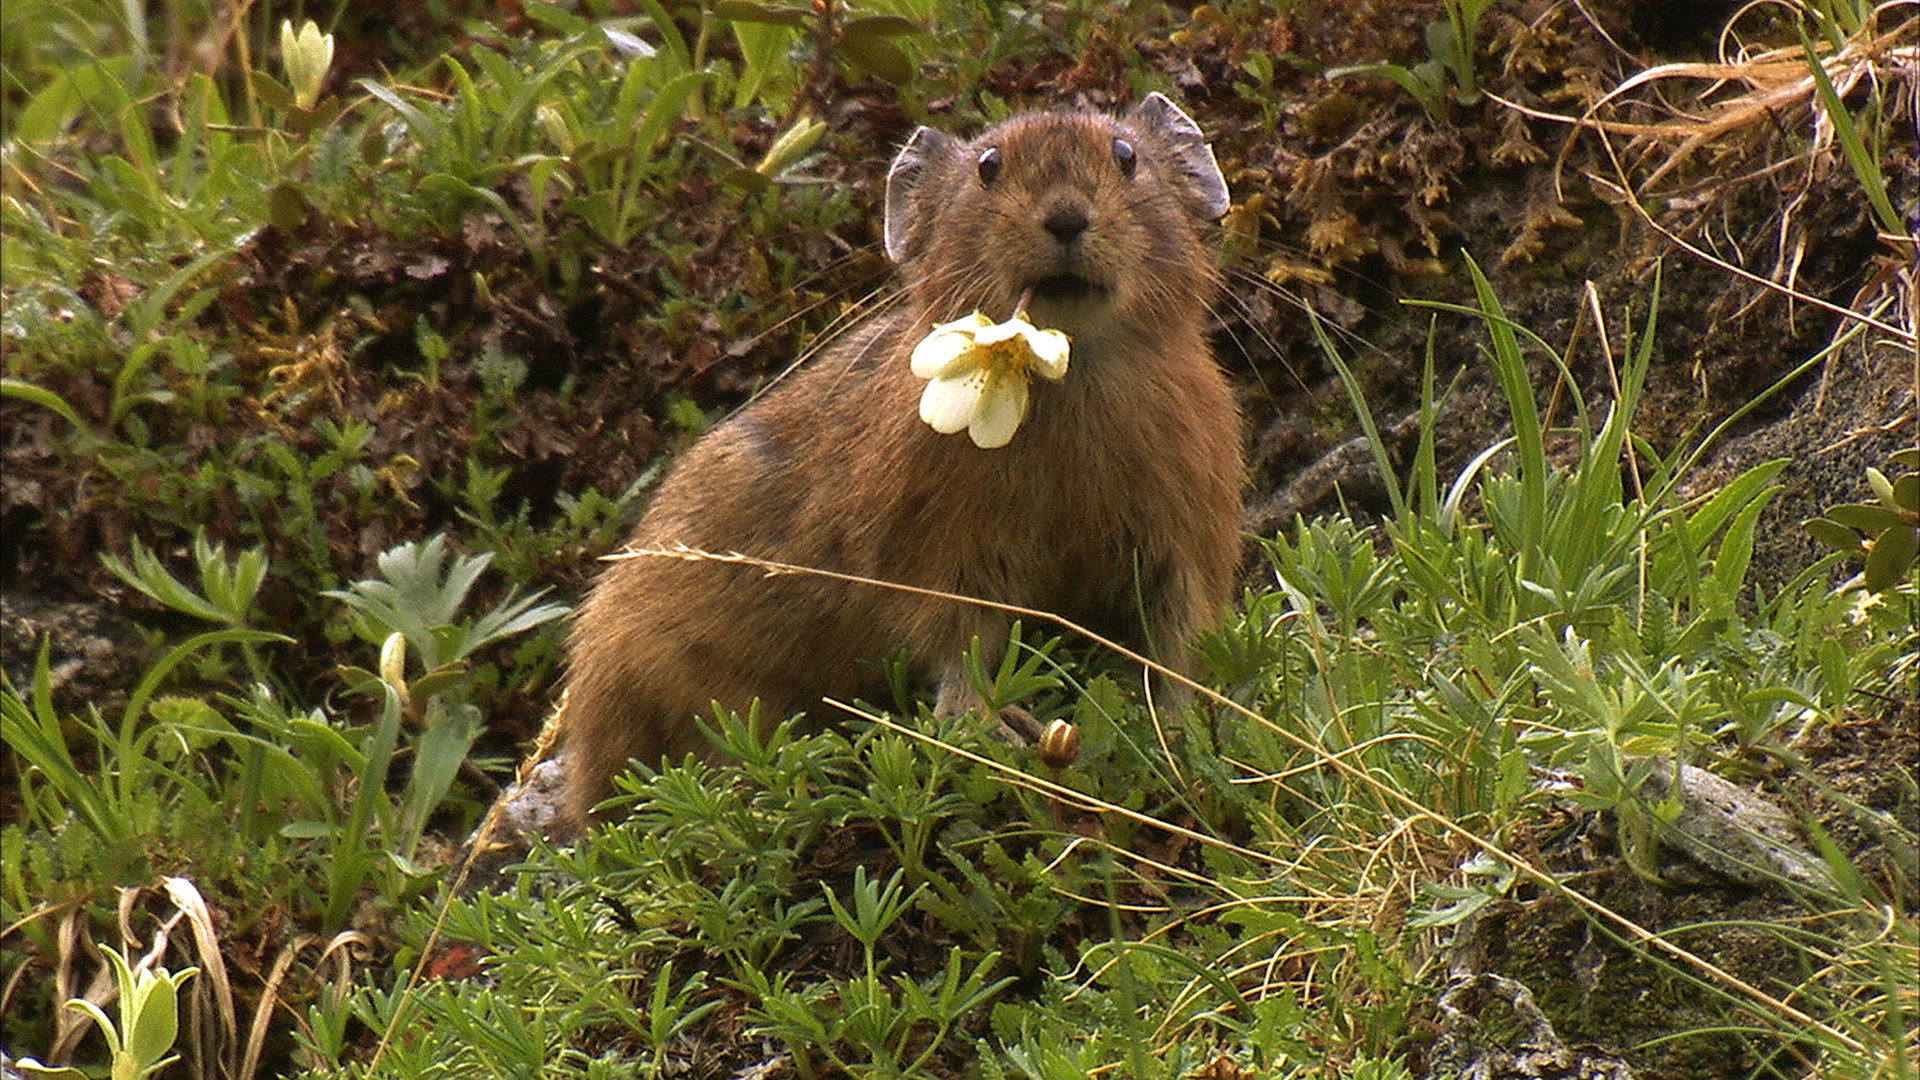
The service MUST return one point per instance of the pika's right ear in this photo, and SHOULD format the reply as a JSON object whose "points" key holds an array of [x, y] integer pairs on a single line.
{"points": [[910, 168]]}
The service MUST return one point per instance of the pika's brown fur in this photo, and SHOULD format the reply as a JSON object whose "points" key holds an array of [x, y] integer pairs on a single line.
{"points": [[1115, 504]]}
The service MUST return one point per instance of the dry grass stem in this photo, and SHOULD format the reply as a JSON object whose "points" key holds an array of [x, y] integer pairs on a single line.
{"points": [[1774, 94]]}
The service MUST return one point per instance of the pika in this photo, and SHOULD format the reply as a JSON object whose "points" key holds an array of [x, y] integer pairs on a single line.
{"points": [[1116, 503]]}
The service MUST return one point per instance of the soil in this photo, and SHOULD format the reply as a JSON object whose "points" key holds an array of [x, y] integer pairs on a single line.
{"points": [[1350, 198]]}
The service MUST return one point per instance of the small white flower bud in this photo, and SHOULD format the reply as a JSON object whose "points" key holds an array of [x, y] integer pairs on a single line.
{"points": [[306, 55]]}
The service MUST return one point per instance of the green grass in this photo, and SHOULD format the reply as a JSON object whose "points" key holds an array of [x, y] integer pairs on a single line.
{"points": [[1413, 725], [1273, 881]]}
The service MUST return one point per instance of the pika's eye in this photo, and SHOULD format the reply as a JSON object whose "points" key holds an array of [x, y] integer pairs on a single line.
{"points": [[1124, 157], [989, 165]]}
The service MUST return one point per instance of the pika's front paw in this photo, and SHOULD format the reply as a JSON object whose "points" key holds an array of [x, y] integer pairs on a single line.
{"points": [[1017, 726]]}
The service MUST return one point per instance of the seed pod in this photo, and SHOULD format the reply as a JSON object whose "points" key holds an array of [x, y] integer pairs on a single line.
{"points": [[1059, 744]]}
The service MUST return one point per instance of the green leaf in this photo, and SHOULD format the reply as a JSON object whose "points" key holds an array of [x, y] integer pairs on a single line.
{"points": [[25, 391], [1892, 556], [230, 586], [1510, 366], [472, 114], [100, 1020], [271, 92], [1747, 489], [307, 830], [47, 114], [1443, 44], [1867, 517], [1833, 534], [154, 582], [424, 127], [1356, 395], [880, 58], [763, 50], [1906, 491], [287, 208], [37, 735], [670, 35], [665, 109], [1423, 81], [1865, 166], [1736, 547], [174, 657], [156, 1020], [792, 145], [158, 305], [1882, 487], [451, 731]]}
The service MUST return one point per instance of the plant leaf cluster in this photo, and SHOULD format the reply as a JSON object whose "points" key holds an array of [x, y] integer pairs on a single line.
{"points": [[1884, 533]]}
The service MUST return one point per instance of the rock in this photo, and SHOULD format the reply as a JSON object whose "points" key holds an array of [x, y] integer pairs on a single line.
{"points": [[1733, 832], [1482, 1040], [94, 653]]}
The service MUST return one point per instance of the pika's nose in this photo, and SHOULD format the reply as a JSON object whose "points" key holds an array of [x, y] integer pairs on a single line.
{"points": [[1066, 223]]}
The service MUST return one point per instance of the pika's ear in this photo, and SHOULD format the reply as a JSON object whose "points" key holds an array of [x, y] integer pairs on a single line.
{"points": [[1192, 157], [910, 167]]}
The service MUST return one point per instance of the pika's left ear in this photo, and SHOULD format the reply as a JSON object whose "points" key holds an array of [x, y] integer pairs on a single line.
{"points": [[1192, 157]]}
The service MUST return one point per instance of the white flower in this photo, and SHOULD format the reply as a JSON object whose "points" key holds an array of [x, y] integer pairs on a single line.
{"points": [[978, 371], [307, 55]]}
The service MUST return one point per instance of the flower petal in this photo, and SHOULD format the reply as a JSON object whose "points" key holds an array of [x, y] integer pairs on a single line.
{"points": [[1002, 405], [970, 323], [1050, 348], [941, 354], [945, 345], [995, 333], [949, 404]]}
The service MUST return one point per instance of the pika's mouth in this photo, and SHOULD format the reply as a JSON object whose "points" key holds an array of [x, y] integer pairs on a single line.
{"points": [[1066, 288]]}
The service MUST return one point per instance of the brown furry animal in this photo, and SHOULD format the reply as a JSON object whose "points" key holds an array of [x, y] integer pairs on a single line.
{"points": [[1115, 504]]}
